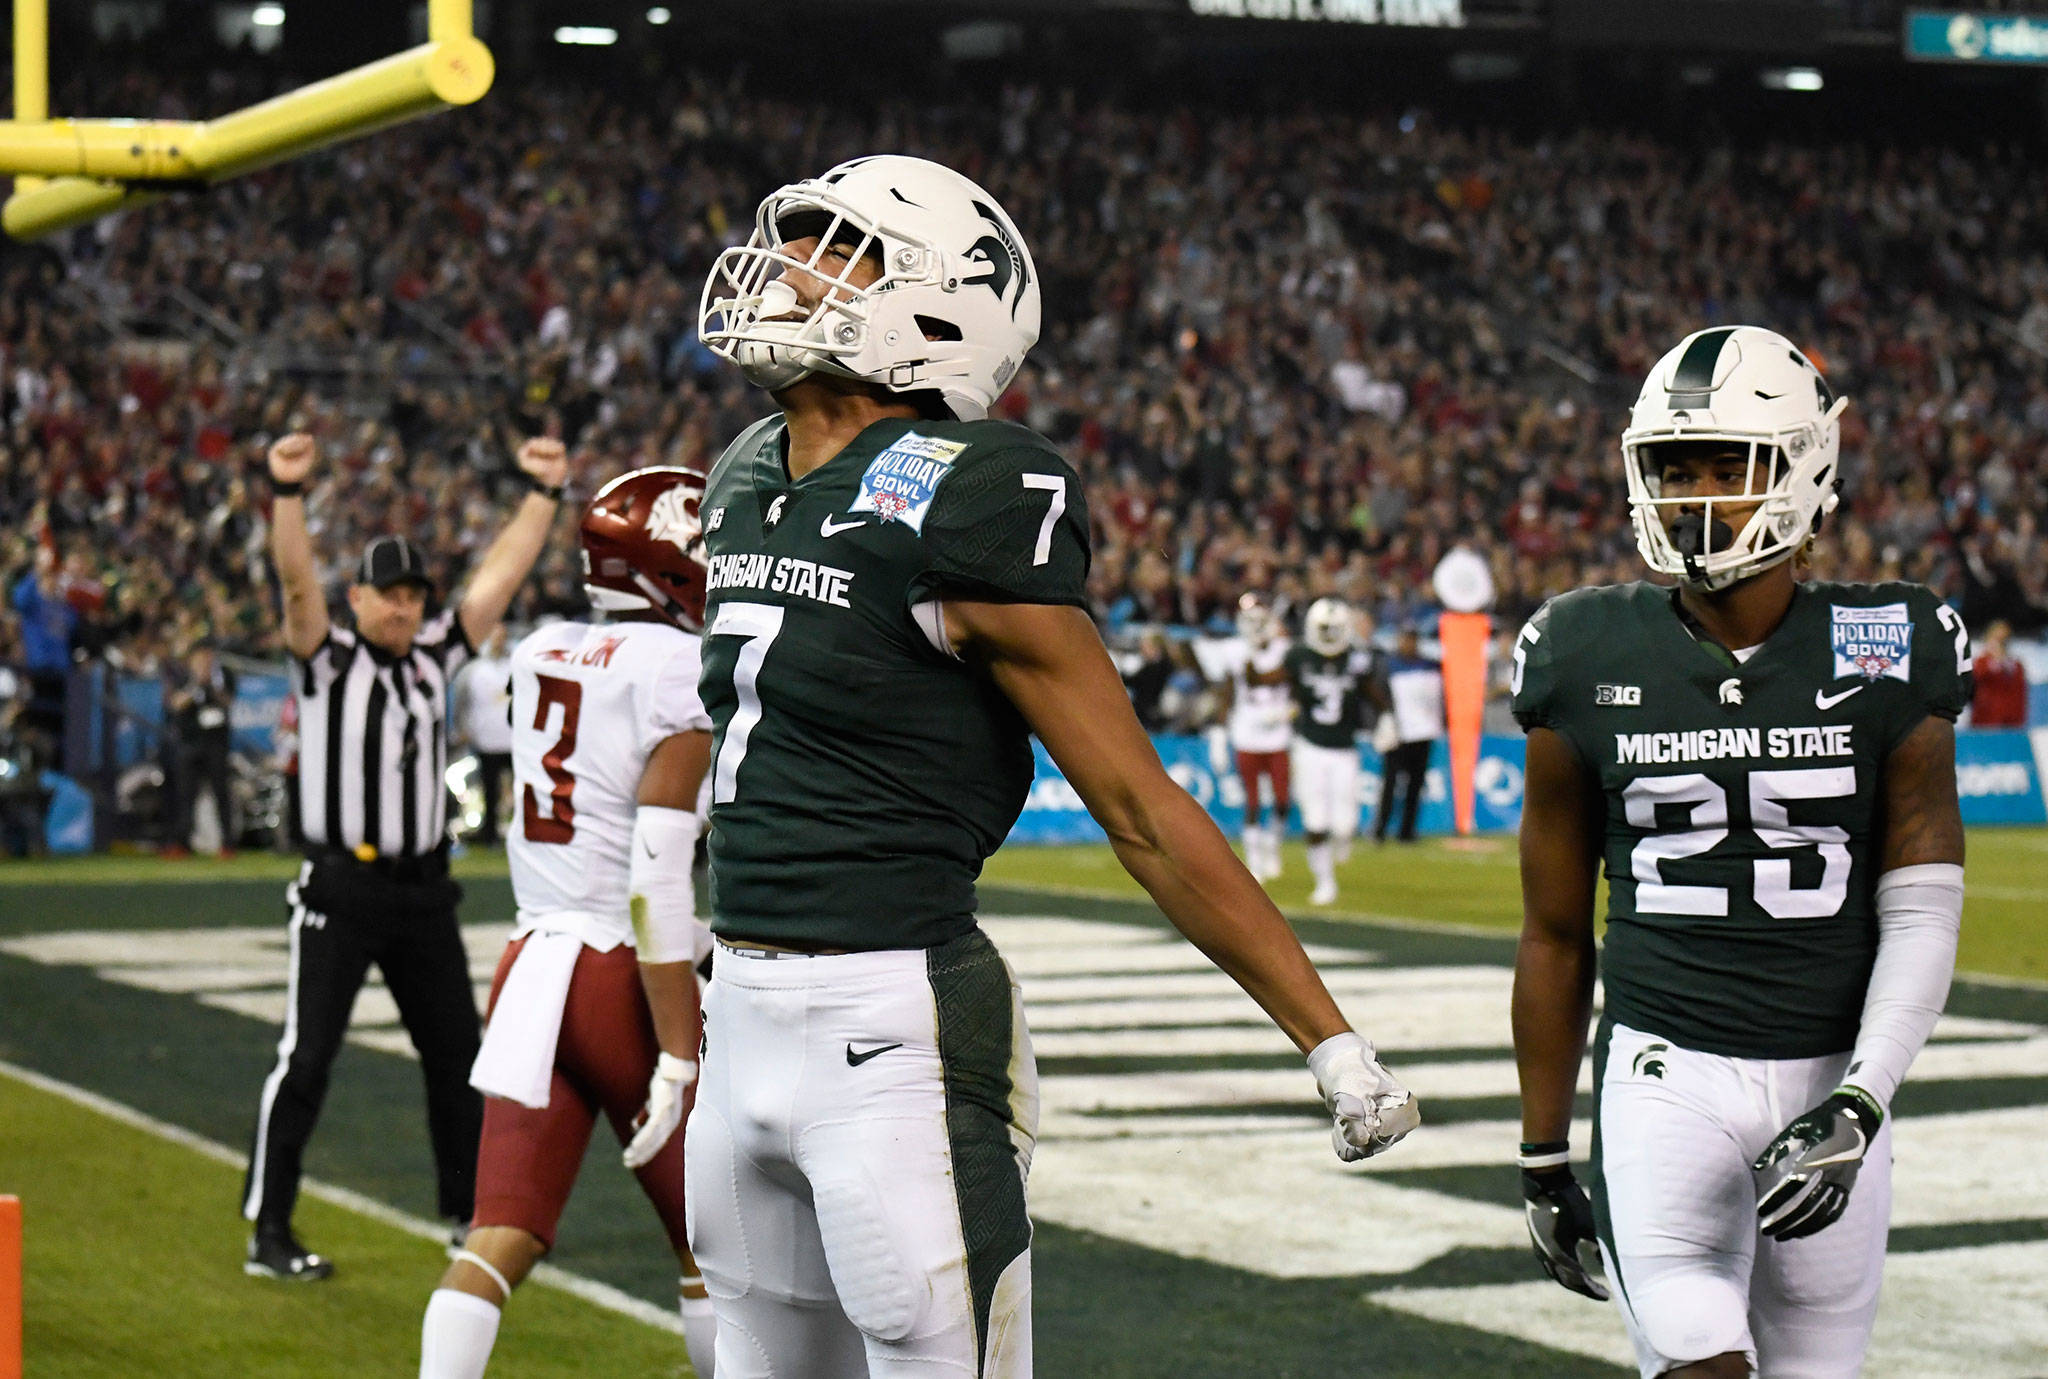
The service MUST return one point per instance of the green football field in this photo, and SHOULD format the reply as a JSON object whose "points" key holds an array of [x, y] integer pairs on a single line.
{"points": [[1191, 1220]]}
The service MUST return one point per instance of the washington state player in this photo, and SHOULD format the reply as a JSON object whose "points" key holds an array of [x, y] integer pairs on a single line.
{"points": [[594, 1007]]}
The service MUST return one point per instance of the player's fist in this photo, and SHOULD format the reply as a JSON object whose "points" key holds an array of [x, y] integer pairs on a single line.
{"points": [[1370, 1111], [666, 1092], [544, 460], [1561, 1231], [292, 458], [1804, 1176]]}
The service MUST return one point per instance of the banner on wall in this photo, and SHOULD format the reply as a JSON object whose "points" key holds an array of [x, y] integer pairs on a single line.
{"points": [[1999, 777], [1054, 813]]}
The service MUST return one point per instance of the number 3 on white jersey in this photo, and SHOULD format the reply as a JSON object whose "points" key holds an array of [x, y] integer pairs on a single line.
{"points": [[760, 624]]}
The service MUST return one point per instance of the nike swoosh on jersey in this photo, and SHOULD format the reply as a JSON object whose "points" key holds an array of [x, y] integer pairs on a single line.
{"points": [[831, 528], [854, 1060], [1823, 700]]}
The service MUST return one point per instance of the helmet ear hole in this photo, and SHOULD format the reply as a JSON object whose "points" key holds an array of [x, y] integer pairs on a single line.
{"points": [[936, 329]]}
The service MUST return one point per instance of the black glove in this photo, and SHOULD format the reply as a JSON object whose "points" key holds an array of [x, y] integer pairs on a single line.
{"points": [[1803, 1178], [1561, 1226]]}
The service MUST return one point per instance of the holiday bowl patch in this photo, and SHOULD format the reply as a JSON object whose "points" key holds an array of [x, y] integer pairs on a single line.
{"points": [[899, 483], [1873, 642]]}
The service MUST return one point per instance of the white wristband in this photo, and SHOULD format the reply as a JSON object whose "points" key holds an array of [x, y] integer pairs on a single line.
{"points": [[670, 1068], [664, 907]]}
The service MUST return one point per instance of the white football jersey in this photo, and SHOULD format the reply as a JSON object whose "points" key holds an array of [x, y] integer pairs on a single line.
{"points": [[1260, 715], [590, 702]]}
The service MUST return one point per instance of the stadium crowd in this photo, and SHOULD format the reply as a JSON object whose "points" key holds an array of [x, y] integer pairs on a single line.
{"points": [[1304, 352]]}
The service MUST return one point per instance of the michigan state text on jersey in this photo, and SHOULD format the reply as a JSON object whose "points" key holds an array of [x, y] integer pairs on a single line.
{"points": [[896, 601], [861, 772], [1766, 768]]}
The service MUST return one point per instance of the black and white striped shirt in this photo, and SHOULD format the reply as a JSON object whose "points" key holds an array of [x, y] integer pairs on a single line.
{"points": [[373, 740]]}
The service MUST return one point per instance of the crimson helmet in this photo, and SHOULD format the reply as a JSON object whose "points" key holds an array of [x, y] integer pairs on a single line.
{"points": [[643, 545]]}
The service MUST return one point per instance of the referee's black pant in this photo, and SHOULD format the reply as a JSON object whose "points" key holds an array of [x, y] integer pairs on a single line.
{"points": [[1410, 763], [346, 915]]}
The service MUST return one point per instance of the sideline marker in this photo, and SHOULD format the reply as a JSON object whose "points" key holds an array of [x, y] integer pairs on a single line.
{"points": [[10, 1287]]}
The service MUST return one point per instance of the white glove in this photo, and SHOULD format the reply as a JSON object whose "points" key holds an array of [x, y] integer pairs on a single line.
{"points": [[1372, 1111], [672, 1078]]}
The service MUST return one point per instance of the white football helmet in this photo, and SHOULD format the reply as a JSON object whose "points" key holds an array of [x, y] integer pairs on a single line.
{"points": [[1255, 620], [1327, 628], [954, 311], [1750, 387]]}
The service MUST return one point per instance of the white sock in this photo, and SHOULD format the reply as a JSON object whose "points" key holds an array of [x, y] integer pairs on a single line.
{"points": [[457, 1336], [1322, 864], [1273, 848], [700, 1334], [1254, 858]]}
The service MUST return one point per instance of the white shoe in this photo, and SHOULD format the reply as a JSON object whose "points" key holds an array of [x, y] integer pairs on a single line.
{"points": [[1325, 893]]}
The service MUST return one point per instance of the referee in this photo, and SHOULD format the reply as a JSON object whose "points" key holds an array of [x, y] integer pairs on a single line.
{"points": [[375, 884]]}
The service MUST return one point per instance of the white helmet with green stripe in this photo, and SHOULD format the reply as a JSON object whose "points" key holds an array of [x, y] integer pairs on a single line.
{"points": [[1747, 387]]}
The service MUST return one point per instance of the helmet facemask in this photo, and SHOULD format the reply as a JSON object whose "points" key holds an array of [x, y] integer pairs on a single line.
{"points": [[1789, 480], [952, 311]]}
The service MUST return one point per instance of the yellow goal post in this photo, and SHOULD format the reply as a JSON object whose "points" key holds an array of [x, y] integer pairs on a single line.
{"points": [[68, 172]]}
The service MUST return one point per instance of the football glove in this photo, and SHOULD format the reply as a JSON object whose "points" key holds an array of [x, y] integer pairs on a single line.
{"points": [[1561, 1229], [665, 1095], [1804, 1177], [1370, 1109]]}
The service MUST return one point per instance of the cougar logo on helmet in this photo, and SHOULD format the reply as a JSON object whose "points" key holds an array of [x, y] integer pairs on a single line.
{"points": [[671, 519]]}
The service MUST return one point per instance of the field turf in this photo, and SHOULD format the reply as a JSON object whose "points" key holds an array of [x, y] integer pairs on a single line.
{"points": [[1189, 1226]]}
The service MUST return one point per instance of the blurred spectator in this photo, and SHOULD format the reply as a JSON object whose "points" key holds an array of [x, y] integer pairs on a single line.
{"points": [[1148, 679], [47, 622], [1415, 689], [199, 698], [2000, 697]]}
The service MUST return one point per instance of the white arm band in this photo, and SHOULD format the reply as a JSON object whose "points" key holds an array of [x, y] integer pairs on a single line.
{"points": [[1919, 914], [664, 906]]}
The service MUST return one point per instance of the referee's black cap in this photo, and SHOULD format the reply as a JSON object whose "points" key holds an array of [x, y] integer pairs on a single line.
{"points": [[393, 560]]}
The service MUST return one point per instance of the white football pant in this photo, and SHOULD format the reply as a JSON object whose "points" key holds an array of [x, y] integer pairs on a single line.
{"points": [[1675, 1132], [1326, 788], [857, 1161]]}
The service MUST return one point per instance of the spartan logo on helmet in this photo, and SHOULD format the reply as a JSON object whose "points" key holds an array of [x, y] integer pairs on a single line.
{"points": [[1004, 260]]}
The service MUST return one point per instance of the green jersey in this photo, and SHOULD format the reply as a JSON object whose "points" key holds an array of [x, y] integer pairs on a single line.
{"points": [[860, 774], [1329, 695], [1743, 798]]}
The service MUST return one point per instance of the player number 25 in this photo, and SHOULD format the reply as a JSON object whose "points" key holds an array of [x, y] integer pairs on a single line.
{"points": [[1708, 810]]}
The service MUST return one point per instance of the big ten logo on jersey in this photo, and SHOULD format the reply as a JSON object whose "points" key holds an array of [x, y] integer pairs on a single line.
{"points": [[900, 482], [1620, 696], [1873, 642]]}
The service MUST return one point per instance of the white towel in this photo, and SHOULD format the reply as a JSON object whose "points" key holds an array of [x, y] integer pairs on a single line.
{"points": [[517, 1060]]}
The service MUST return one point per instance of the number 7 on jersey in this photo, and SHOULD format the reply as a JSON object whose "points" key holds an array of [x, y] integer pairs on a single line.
{"points": [[1056, 485]]}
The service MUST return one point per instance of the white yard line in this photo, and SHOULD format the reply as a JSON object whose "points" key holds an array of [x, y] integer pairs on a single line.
{"points": [[589, 1290]]}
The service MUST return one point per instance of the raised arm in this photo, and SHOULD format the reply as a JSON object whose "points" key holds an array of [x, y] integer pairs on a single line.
{"points": [[505, 565], [1051, 664], [292, 460]]}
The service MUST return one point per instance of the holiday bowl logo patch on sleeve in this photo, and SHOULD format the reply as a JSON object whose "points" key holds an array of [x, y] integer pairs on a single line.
{"points": [[1873, 642], [899, 483]]}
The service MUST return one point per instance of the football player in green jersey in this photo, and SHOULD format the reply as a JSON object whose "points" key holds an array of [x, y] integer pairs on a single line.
{"points": [[1332, 688], [896, 602], [1766, 768]]}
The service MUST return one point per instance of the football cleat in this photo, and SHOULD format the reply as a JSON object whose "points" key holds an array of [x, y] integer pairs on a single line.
{"points": [[1804, 1176], [278, 1254]]}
